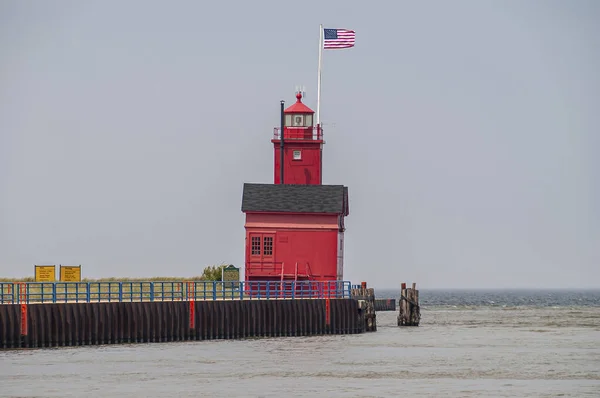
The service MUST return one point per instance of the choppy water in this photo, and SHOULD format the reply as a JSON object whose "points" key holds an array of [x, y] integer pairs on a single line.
{"points": [[469, 344]]}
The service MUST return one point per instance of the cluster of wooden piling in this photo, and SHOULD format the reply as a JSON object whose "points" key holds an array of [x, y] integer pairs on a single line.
{"points": [[410, 311], [366, 299], [73, 324]]}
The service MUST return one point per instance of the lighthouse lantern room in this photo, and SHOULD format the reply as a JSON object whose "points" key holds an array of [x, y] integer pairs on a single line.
{"points": [[303, 146], [295, 229]]}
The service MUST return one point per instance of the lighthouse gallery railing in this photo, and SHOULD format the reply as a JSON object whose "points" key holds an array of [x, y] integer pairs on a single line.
{"points": [[299, 133], [89, 292]]}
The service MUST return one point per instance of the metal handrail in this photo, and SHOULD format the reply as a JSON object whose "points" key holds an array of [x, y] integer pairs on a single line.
{"points": [[299, 133], [129, 291]]}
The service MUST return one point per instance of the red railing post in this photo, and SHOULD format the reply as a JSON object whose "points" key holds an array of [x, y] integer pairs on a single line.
{"points": [[22, 292], [190, 290]]}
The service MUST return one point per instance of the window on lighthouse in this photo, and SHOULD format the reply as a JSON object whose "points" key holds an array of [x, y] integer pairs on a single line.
{"points": [[268, 246], [255, 245], [298, 121]]}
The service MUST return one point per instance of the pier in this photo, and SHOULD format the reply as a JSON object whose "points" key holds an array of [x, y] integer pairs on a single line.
{"points": [[35, 315]]}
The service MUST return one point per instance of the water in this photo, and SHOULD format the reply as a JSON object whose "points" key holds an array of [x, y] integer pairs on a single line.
{"points": [[469, 344]]}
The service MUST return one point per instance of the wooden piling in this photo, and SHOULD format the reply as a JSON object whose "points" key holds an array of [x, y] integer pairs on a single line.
{"points": [[410, 311], [366, 296]]}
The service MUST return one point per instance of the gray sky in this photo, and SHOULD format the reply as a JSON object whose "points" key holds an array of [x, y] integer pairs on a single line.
{"points": [[467, 132]]}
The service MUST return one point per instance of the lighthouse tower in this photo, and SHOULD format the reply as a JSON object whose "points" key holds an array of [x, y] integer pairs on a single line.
{"points": [[303, 147], [295, 229]]}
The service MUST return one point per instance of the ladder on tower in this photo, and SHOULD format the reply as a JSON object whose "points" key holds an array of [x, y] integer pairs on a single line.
{"points": [[285, 276], [297, 275], [307, 275]]}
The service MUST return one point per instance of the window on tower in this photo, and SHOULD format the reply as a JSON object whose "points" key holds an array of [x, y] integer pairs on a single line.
{"points": [[255, 245], [268, 246], [298, 121]]}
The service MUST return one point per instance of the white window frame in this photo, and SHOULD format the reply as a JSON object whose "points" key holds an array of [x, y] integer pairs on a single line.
{"points": [[294, 124]]}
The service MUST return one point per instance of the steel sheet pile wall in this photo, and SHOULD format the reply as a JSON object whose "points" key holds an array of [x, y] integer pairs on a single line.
{"points": [[385, 304], [52, 325]]}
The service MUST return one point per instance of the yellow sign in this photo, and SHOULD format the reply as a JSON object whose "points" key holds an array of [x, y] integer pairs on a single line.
{"points": [[45, 273], [70, 273]]}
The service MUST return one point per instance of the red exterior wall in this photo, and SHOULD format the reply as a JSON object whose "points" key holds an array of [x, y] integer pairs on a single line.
{"points": [[311, 240], [340, 254], [304, 171]]}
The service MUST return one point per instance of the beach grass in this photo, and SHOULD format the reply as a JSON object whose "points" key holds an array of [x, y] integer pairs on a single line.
{"points": [[115, 288], [116, 279]]}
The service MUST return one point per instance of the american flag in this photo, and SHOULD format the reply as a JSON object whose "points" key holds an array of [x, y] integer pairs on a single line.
{"points": [[338, 38]]}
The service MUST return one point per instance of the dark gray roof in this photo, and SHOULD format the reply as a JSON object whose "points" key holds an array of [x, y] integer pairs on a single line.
{"points": [[295, 198]]}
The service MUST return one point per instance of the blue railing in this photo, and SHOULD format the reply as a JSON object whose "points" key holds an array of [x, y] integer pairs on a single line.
{"points": [[89, 292]]}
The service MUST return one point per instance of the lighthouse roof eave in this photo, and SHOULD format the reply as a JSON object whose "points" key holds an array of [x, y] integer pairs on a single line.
{"points": [[291, 198], [298, 106]]}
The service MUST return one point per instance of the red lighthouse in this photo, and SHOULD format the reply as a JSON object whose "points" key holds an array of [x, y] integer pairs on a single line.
{"points": [[295, 230], [303, 152]]}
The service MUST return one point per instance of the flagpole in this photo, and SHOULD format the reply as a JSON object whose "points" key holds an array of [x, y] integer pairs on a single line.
{"points": [[319, 78]]}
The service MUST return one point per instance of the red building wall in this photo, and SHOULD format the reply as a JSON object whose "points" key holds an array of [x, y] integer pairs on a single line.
{"points": [[307, 170], [304, 238]]}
